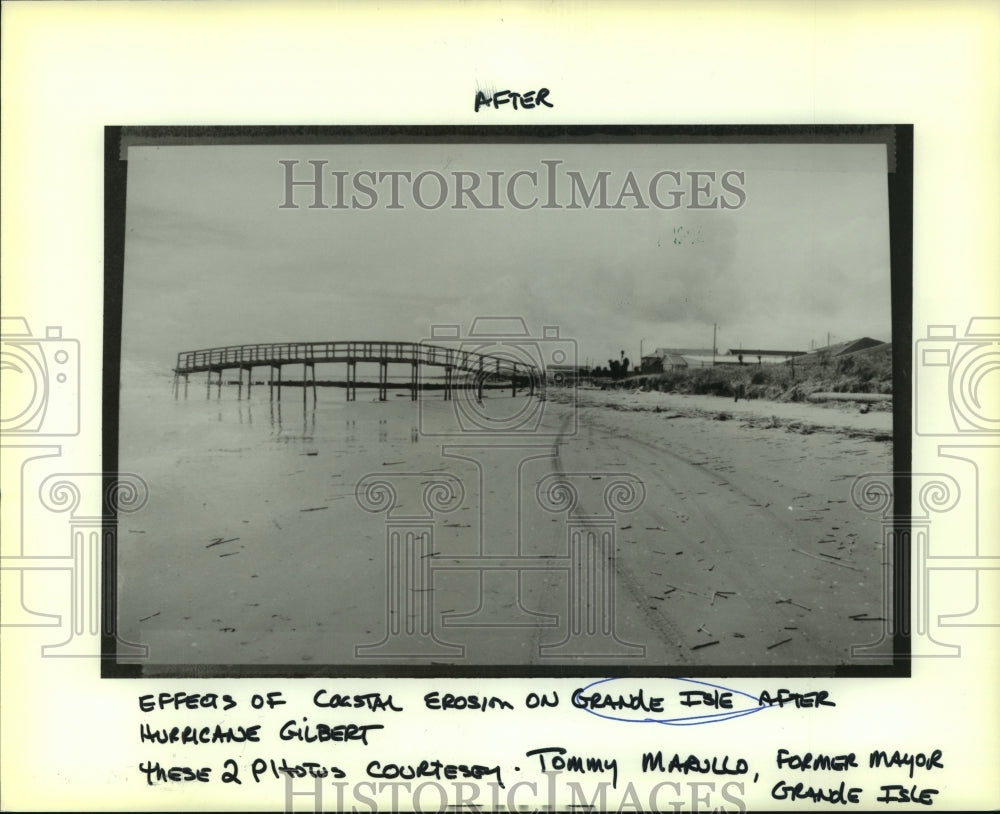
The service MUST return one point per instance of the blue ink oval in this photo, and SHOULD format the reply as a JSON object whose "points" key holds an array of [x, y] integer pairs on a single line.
{"points": [[652, 716]]}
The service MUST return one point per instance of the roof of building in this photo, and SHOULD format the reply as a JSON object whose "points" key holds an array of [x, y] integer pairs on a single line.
{"points": [[758, 352], [662, 352], [851, 346]]}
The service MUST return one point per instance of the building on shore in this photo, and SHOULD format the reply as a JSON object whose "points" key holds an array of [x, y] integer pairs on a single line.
{"points": [[665, 360], [764, 356], [662, 360], [845, 348]]}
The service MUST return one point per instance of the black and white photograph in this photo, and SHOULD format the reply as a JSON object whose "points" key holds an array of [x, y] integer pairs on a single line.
{"points": [[499, 406], [529, 401]]}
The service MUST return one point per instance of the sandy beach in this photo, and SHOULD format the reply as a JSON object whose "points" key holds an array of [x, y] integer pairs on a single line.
{"points": [[253, 549]]}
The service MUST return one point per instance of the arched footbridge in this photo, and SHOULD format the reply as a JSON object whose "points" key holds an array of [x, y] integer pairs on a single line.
{"points": [[461, 368]]}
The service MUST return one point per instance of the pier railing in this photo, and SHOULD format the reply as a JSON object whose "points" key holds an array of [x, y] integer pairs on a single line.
{"points": [[244, 356]]}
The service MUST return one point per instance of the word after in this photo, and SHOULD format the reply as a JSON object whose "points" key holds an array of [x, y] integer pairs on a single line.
{"points": [[527, 101]]}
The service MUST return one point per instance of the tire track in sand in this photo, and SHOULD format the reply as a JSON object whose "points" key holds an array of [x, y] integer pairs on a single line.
{"points": [[656, 621]]}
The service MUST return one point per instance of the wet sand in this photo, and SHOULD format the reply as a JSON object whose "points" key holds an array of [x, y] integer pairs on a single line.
{"points": [[253, 549]]}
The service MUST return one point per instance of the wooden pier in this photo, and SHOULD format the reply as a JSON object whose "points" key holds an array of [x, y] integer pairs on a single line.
{"points": [[463, 369]]}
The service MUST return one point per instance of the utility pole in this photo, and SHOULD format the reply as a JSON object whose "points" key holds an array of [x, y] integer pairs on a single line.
{"points": [[714, 330]]}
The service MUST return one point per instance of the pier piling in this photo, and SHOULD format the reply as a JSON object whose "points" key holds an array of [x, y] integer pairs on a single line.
{"points": [[352, 375]]}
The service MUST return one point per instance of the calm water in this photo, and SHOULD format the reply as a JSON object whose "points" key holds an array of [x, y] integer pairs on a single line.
{"points": [[154, 422]]}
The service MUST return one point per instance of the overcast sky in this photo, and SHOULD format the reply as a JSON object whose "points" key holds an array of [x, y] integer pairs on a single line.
{"points": [[211, 258]]}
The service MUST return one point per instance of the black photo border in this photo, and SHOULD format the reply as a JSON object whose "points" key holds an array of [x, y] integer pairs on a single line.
{"points": [[899, 141]]}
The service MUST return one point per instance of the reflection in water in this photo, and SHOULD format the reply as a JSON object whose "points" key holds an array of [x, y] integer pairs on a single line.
{"points": [[373, 423], [308, 421], [280, 431], [249, 413], [177, 387]]}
